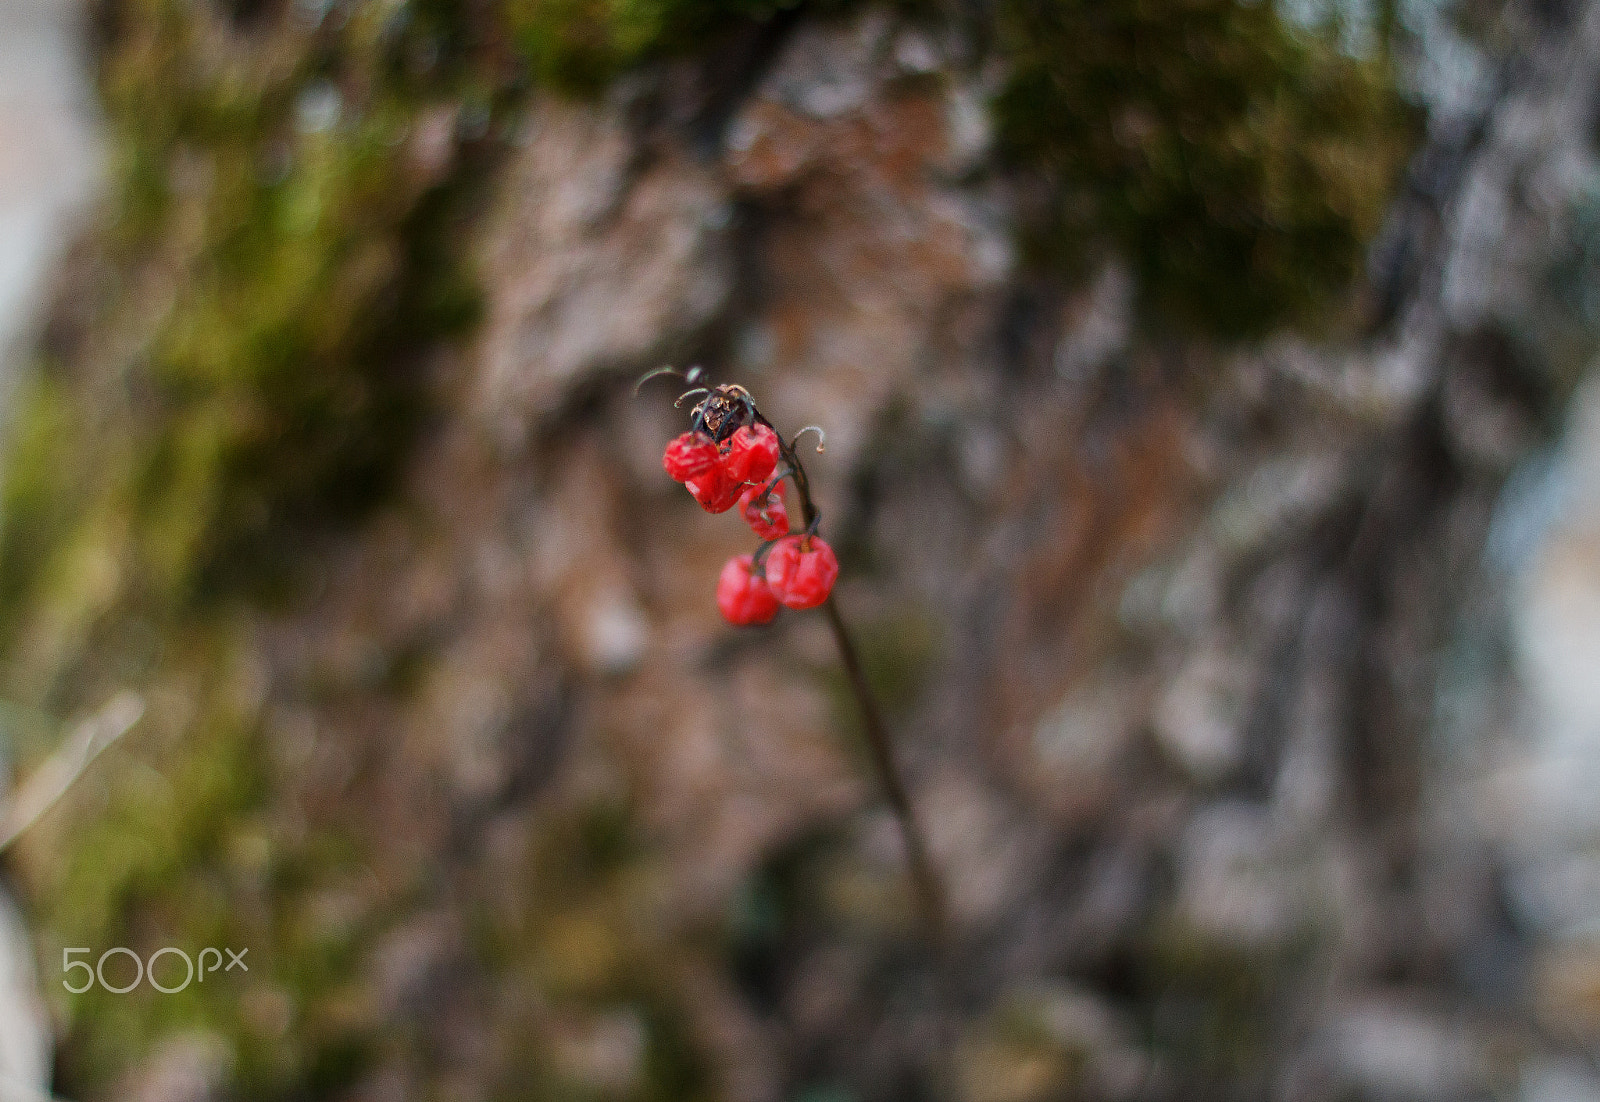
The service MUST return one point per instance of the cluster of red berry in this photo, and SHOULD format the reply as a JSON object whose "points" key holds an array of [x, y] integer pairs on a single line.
{"points": [[795, 571]]}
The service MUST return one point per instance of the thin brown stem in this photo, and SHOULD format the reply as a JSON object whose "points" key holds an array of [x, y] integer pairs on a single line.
{"points": [[925, 880], [930, 894]]}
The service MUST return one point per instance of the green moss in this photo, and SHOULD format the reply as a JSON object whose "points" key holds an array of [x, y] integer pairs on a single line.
{"points": [[1239, 164], [1210, 1003], [280, 284], [581, 45], [151, 859], [41, 489], [897, 652], [1018, 1053], [179, 848], [586, 943], [249, 376]]}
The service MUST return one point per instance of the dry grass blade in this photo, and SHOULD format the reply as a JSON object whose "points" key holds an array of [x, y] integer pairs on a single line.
{"points": [[51, 780]]}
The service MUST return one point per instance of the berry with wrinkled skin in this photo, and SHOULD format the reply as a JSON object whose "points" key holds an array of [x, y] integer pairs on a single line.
{"points": [[691, 455], [752, 454], [744, 598], [714, 490], [764, 511], [801, 571]]}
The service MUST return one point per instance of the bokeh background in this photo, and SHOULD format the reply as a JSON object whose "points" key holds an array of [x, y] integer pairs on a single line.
{"points": [[1209, 453]]}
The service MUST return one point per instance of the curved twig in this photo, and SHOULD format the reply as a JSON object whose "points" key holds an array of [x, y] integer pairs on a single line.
{"points": [[655, 373], [822, 437]]}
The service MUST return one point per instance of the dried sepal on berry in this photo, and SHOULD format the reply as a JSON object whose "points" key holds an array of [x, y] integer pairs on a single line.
{"points": [[764, 511], [801, 570], [743, 597], [752, 454], [725, 408]]}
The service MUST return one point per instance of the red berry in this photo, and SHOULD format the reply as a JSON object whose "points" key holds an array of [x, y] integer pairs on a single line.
{"points": [[743, 597], [763, 510], [690, 456], [801, 570], [714, 490], [752, 454]]}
